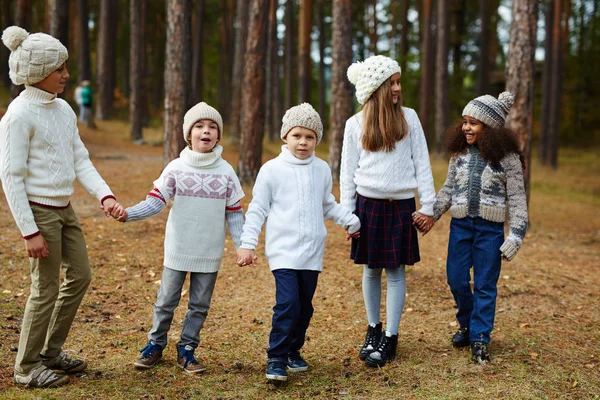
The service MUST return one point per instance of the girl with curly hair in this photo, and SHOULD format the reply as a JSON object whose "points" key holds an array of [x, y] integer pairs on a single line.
{"points": [[485, 178]]}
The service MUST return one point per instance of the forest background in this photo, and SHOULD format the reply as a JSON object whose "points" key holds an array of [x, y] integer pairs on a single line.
{"points": [[149, 61]]}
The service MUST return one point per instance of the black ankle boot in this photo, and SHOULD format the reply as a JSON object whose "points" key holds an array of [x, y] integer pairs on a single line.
{"points": [[384, 352], [371, 341], [461, 338], [479, 352]]}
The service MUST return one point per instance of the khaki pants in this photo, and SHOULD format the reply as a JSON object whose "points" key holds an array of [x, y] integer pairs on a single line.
{"points": [[51, 307]]}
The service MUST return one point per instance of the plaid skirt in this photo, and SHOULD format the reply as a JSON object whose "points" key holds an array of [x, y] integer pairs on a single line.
{"points": [[388, 238]]}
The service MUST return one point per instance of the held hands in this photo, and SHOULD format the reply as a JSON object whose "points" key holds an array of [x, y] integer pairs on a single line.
{"points": [[113, 209], [423, 223], [354, 235], [246, 257], [36, 247]]}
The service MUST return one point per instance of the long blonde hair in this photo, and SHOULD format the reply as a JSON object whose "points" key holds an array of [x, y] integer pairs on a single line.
{"points": [[383, 121]]}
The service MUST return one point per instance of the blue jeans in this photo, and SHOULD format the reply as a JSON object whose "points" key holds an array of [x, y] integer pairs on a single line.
{"points": [[475, 242], [294, 291], [202, 286]]}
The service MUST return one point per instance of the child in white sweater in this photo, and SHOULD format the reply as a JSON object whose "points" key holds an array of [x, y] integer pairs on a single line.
{"points": [[205, 192], [293, 194], [41, 154]]}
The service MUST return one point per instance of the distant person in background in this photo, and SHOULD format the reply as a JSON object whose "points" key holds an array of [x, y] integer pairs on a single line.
{"points": [[79, 101], [86, 100]]}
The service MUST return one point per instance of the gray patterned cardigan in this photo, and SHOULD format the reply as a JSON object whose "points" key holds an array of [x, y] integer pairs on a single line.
{"points": [[474, 188]]}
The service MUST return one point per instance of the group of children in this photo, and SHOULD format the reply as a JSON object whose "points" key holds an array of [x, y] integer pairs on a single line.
{"points": [[384, 159]]}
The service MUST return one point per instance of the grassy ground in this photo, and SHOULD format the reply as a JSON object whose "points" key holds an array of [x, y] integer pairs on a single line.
{"points": [[545, 344]]}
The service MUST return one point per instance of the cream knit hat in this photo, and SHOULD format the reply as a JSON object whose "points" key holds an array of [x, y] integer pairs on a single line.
{"points": [[489, 110], [33, 56], [198, 112], [303, 115], [367, 76]]}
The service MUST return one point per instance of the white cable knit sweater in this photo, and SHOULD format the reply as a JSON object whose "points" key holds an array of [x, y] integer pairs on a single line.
{"points": [[294, 196], [387, 175], [41, 154]]}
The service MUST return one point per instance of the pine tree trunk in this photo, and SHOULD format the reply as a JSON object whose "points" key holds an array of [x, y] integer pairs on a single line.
{"points": [[404, 35], [253, 95], [304, 42], [276, 96], [441, 95], [483, 73], [83, 41], [341, 89], [269, 72], [426, 68], [224, 96], [137, 69], [241, 33], [197, 52], [322, 82], [289, 54], [23, 14], [175, 84], [558, 25], [105, 75], [545, 116], [59, 20], [4, 52], [520, 76], [458, 23]]}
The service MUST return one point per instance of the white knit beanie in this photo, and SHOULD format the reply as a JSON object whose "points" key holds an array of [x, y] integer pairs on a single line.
{"points": [[33, 56], [489, 110], [198, 112], [368, 75], [303, 115]]}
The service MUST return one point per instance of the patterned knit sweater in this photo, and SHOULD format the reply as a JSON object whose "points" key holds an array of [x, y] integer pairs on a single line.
{"points": [[474, 188], [41, 154]]}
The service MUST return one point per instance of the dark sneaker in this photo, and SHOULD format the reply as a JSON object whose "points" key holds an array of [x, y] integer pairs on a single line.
{"points": [[371, 340], [187, 361], [296, 363], [41, 377], [384, 352], [276, 369], [479, 352], [461, 338], [151, 355], [64, 362]]}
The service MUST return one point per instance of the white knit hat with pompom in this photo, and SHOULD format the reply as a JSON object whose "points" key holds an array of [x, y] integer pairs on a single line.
{"points": [[368, 75], [489, 110], [33, 56]]}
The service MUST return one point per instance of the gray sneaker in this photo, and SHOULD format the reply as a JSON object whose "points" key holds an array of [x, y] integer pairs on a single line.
{"points": [[41, 377], [64, 362]]}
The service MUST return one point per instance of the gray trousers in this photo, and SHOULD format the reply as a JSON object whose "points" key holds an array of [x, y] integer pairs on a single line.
{"points": [[202, 286], [52, 306]]}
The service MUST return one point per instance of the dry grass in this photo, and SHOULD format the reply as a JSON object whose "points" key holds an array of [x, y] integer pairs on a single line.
{"points": [[545, 344]]}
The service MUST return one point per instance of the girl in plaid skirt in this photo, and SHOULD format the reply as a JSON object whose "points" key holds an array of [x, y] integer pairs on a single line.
{"points": [[384, 159]]}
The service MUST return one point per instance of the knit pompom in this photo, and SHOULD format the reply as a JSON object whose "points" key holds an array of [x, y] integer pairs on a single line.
{"points": [[354, 72], [13, 36], [507, 98]]}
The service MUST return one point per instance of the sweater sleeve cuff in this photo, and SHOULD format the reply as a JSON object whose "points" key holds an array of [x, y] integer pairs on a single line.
{"points": [[427, 209], [110, 196], [247, 246], [32, 235]]}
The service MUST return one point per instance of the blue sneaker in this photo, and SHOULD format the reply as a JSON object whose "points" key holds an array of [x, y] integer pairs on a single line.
{"points": [[276, 369], [296, 363], [187, 361], [151, 355]]}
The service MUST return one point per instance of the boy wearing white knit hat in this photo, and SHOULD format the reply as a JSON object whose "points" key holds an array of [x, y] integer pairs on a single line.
{"points": [[41, 155], [293, 194], [206, 193]]}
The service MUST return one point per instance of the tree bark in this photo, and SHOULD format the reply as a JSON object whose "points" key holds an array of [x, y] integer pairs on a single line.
{"points": [[289, 54], [520, 78], [178, 11], [23, 14], [322, 82], [270, 74], [83, 41], [483, 72], [404, 35], [426, 68], [458, 23], [304, 42], [276, 97], [441, 95], [137, 68], [341, 89], [59, 20], [224, 93], [105, 75], [241, 33], [197, 52], [253, 96], [545, 115], [558, 27]]}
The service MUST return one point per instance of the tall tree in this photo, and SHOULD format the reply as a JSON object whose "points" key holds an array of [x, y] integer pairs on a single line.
{"points": [[270, 72], [483, 72], [59, 20], [289, 53], [372, 15], [105, 67], [241, 32], [304, 42], [425, 96], [404, 35], [178, 16], [276, 98], [224, 96], [253, 96], [341, 90], [545, 115], [441, 79], [198, 41], [83, 41], [519, 76], [322, 82], [23, 14], [4, 52], [456, 42], [137, 68]]}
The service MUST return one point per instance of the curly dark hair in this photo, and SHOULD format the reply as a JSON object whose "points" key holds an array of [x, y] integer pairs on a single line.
{"points": [[493, 143]]}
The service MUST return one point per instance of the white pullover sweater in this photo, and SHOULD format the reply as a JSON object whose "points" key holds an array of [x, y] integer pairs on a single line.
{"points": [[295, 198], [41, 154], [386, 175]]}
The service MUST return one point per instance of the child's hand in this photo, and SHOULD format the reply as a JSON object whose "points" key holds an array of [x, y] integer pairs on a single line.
{"points": [[354, 235], [37, 247], [246, 257], [123, 216], [423, 223]]}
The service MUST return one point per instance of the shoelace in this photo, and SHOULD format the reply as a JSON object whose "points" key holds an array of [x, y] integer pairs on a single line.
{"points": [[371, 338], [384, 344], [188, 355], [149, 350]]}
